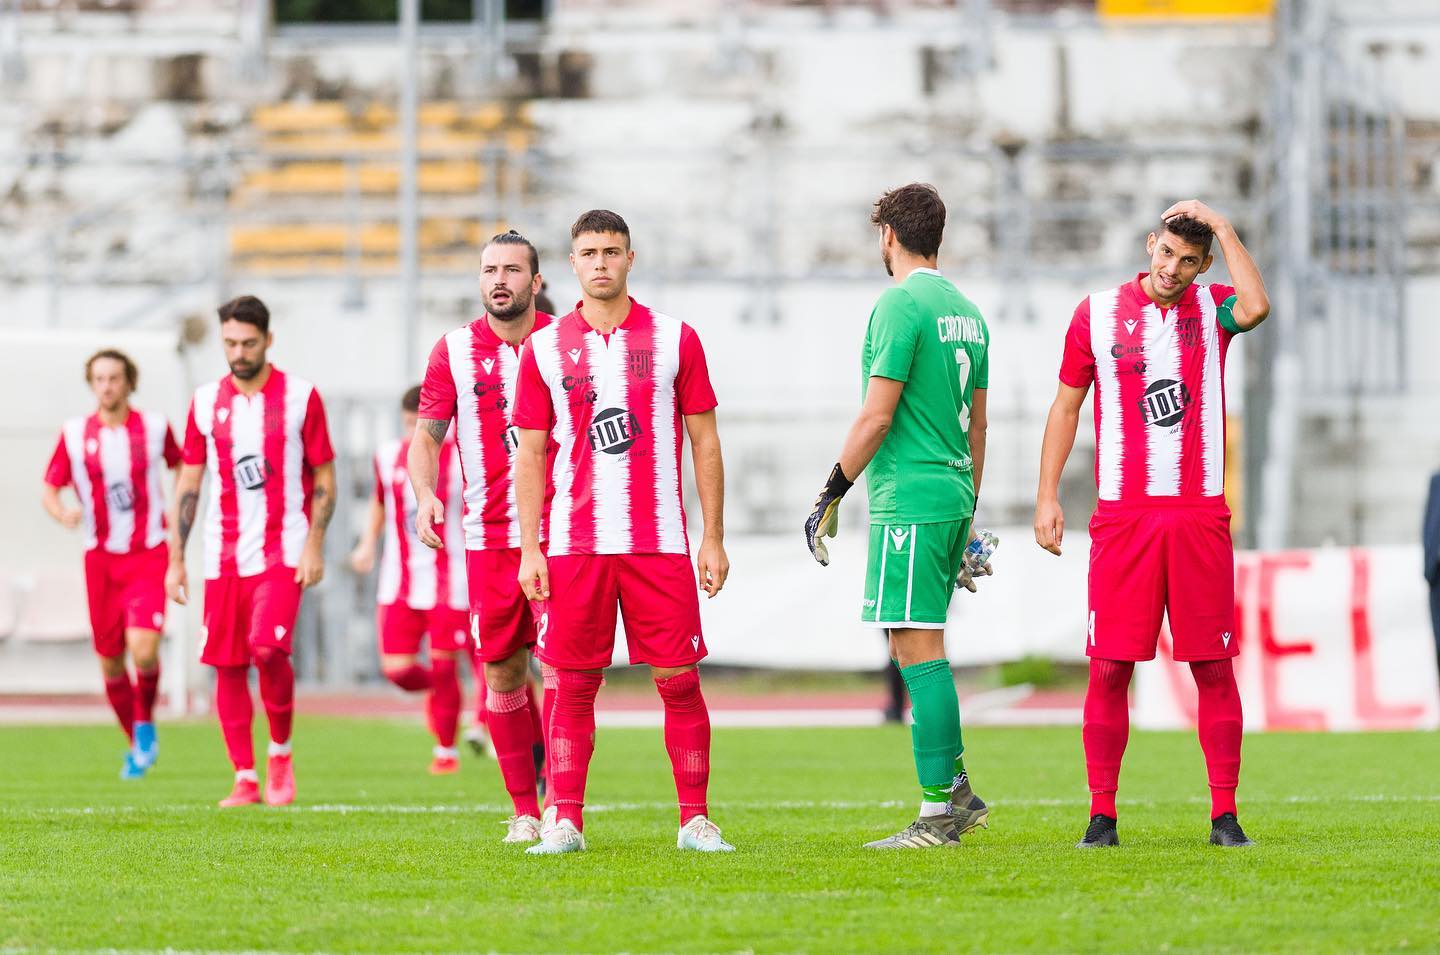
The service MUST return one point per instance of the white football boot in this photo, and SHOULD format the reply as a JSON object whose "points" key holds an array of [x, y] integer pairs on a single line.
{"points": [[522, 829], [561, 837], [702, 835]]}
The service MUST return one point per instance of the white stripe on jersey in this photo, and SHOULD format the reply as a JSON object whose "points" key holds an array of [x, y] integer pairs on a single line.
{"points": [[510, 375], [74, 431], [460, 346], [546, 344], [1162, 363], [669, 519], [156, 427], [1212, 398], [388, 585], [612, 471], [204, 410], [1110, 449]]}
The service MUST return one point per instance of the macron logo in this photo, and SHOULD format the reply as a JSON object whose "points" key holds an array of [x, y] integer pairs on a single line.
{"points": [[695, 642], [574, 354], [1130, 326], [222, 414], [279, 633], [1225, 639], [488, 364]]}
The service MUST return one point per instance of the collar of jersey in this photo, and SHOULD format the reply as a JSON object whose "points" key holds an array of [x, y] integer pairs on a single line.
{"points": [[1187, 298], [637, 315]]}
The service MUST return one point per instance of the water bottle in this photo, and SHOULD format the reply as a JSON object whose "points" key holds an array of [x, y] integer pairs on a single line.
{"points": [[978, 551]]}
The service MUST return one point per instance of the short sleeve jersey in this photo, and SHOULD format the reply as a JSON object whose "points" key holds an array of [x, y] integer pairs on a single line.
{"points": [[260, 452], [615, 405], [410, 572], [471, 377], [924, 333], [118, 473], [1159, 377]]}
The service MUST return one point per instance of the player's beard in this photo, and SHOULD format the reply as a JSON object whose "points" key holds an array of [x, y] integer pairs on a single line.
{"points": [[244, 371], [885, 257], [518, 305]]}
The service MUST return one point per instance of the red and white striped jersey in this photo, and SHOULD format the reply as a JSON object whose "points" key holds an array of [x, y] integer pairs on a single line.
{"points": [[1159, 377], [261, 452], [614, 406], [118, 473], [471, 377], [410, 572]]}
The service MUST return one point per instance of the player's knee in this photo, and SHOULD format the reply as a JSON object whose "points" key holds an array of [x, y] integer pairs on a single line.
{"points": [[112, 667], [1111, 676], [576, 689], [267, 657], [682, 689], [506, 676], [507, 701], [1213, 675]]}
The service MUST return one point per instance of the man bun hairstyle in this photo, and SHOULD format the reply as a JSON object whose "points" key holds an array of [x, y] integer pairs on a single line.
{"points": [[600, 220], [247, 309], [132, 372], [410, 401], [917, 215], [1189, 230], [514, 238]]}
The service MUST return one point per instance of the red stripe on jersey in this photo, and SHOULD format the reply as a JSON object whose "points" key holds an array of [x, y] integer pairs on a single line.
{"points": [[274, 395], [139, 479], [1192, 369], [402, 536], [95, 468], [570, 340], [639, 368], [221, 435], [1134, 477]]}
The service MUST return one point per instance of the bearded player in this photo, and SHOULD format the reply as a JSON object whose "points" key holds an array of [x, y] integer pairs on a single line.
{"points": [[471, 379], [115, 459], [421, 593], [1155, 350], [920, 438], [612, 383], [260, 435]]}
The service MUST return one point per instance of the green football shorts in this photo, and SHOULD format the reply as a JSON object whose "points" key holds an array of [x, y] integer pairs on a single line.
{"points": [[911, 571]]}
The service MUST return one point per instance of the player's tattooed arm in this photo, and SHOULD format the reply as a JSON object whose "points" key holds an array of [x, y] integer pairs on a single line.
{"points": [[189, 502], [182, 521], [434, 427], [423, 462], [322, 499]]}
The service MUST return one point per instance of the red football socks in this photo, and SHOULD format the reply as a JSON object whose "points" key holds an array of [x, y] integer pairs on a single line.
{"points": [[1106, 730], [147, 686], [121, 695], [277, 691], [233, 706], [548, 681], [412, 678], [512, 736], [687, 740], [1221, 726], [443, 706], [572, 740]]}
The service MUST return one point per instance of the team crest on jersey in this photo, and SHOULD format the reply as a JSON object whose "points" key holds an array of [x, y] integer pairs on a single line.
{"points": [[92, 446], [614, 431], [1187, 327], [640, 362], [1165, 403], [251, 472], [119, 498]]}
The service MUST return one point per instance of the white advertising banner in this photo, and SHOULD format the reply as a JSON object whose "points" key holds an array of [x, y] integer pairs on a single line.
{"points": [[1330, 639]]}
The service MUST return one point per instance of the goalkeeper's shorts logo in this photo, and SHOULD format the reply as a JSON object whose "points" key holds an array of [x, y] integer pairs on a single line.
{"points": [[898, 536]]}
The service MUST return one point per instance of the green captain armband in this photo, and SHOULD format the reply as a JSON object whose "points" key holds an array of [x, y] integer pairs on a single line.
{"points": [[1226, 315]]}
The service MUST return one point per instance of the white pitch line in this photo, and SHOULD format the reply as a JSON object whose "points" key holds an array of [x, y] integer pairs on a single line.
{"points": [[805, 804]]}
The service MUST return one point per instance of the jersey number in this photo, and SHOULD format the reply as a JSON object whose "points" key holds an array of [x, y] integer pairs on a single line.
{"points": [[962, 359]]}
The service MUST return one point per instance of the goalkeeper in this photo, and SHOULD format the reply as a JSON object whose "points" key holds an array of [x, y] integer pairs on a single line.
{"points": [[921, 433]]}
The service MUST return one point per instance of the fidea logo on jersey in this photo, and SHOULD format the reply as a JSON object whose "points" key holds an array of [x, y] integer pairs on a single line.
{"points": [[1164, 403], [251, 472], [614, 431]]}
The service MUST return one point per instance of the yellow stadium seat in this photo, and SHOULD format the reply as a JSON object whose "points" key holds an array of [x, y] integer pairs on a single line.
{"points": [[300, 117]]}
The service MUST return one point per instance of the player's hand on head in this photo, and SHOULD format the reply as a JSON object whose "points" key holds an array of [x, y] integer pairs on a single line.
{"points": [[1049, 526], [428, 514], [1193, 209], [712, 567]]}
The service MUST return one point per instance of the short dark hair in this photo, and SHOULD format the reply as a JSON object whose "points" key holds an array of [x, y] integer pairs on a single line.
{"points": [[411, 400], [600, 220], [132, 372], [1189, 230], [916, 214], [514, 238], [247, 309]]}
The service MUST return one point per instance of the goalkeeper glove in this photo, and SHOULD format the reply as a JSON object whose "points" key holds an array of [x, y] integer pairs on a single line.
{"points": [[825, 518]]}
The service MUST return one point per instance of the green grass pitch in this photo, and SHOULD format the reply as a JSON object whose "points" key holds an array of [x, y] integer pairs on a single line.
{"points": [[379, 856]]}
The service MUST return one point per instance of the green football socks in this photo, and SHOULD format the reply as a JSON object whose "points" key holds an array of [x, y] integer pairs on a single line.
{"points": [[935, 733]]}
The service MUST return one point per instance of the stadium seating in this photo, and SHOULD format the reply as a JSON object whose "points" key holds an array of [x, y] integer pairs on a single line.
{"points": [[51, 607]]}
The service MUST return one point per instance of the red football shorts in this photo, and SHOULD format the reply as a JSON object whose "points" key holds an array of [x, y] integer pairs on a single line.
{"points": [[245, 613], [401, 629], [657, 597], [502, 622], [1172, 557], [126, 591]]}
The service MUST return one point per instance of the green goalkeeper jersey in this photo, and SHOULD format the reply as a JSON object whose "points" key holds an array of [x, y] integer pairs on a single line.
{"points": [[924, 333]]}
